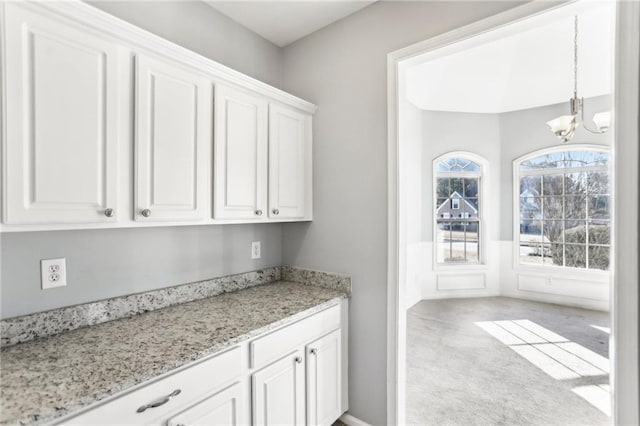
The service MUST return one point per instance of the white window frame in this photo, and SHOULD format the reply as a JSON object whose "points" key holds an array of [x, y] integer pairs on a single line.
{"points": [[560, 270], [482, 176]]}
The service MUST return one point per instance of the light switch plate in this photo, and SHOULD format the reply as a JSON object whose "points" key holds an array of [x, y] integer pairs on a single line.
{"points": [[53, 273]]}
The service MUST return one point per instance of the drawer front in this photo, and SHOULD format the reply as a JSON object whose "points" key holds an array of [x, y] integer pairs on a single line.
{"points": [[271, 347], [194, 383]]}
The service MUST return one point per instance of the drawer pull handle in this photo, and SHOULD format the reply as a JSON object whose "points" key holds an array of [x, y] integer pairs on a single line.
{"points": [[313, 351], [298, 359], [158, 402]]}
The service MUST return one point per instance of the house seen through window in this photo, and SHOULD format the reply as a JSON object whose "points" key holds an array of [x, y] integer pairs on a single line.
{"points": [[457, 218], [564, 209]]}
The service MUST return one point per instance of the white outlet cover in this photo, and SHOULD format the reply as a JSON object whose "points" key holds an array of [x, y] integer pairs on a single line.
{"points": [[51, 279], [255, 250]]}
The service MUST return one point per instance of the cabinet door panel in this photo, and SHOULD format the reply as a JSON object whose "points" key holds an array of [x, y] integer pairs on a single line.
{"points": [[62, 121], [224, 408], [287, 154], [278, 393], [324, 380], [240, 157], [173, 121]]}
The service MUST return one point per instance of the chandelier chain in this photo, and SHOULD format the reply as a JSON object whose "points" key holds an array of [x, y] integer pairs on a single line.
{"points": [[575, 55]]}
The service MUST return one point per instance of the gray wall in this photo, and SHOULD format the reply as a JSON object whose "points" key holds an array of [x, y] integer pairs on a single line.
{"points": [[113, 262], [522, 132], [342, 68], [107, 263], [201, 28]]}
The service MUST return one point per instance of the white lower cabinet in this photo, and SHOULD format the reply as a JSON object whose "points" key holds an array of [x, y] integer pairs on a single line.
{"points": [[324, 379], [224, 408], [278, 392], [294, 375]]}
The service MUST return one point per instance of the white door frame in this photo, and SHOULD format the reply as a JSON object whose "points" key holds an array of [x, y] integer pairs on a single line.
{"points": [[624, 337]]}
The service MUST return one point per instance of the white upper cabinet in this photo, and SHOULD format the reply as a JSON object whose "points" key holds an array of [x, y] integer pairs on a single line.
{"points": [[172, 141], [240, 155], [61, 121], [289, 147]]}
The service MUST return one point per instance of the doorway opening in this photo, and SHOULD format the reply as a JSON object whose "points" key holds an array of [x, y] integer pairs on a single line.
{"points": [[503, 248]]}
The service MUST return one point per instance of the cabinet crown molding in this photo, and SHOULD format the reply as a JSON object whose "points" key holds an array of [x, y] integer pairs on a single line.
{"points": [[99, 21]]}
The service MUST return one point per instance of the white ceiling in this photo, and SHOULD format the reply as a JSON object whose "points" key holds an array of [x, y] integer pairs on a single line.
{"points": [[285, 21], [523, 66]]}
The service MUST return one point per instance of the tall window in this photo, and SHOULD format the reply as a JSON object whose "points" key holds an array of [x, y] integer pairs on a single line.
{"points": [[564, 208], [457, 206]]}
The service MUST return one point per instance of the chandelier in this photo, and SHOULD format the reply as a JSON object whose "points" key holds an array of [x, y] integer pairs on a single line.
{"points": [[565, 126]]}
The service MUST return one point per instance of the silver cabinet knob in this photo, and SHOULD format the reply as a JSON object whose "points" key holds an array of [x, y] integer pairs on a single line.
{"points": [[313, 351], [298, 359], [146, 212], [275, 212], [109, 212], [258, 212], [158, 402]]}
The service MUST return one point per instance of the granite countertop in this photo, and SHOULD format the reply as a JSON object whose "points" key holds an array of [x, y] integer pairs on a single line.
{"points": [[50, 377]]}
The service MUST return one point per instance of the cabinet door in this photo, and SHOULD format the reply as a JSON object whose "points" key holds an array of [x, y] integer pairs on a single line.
{"points": [[240, 156], [288, 145], [173, 135], [324, 380], [224, 408], [278, 392], [61, 121]]}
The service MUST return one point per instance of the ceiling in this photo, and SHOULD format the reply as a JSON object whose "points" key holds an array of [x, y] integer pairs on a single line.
{"points": [[522, 66], [285, 21]]}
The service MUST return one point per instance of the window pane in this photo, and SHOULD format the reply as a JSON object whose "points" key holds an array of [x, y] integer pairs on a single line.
{"points": [[599, 207], [598, 183], [470, 187], [471, 206], [552, 184], [556, 255], [575, 183], [585, 158], [443, 188], [457, 165], [472, 242], [575, 207], [457, 185], [575, 231], [552, 230], [575, 255], [443, 242], [548, 161], [599, 233], [530, 186], [552, 207], [599, 257]]}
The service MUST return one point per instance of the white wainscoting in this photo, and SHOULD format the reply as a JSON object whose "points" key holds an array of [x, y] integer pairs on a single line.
{"points": [[499, 277], [585, 289]]}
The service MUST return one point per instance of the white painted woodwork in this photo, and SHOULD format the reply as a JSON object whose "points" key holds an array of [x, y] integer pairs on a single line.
{"points": [[240, 155], [224, 408], [61, 118], [563, 286], [173, 137], [267, 349], [278, 392], [288, 145], [194, 382], [460, 281], [324, 380]]}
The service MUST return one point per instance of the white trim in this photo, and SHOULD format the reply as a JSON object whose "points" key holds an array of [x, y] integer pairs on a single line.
{"points": [[551, 269], [625, 292], [89, 17], [624, 334], [349, 420]]}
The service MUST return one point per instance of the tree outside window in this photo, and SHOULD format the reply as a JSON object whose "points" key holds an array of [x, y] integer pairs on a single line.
{"points": [[564, 209]]}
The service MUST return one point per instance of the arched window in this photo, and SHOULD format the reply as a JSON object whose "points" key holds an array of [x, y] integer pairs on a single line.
{"points": [[457, 217], [563, 208]]}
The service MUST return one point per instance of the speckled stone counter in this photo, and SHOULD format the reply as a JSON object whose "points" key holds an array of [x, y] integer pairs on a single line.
{"points": [[50, 377]]}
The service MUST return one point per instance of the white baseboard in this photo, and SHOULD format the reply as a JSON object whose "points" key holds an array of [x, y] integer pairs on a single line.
{"points": [[349, 420]]}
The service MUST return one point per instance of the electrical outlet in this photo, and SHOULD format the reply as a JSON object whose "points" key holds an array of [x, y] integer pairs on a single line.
{"points": [[255, 250], [53, 273]]}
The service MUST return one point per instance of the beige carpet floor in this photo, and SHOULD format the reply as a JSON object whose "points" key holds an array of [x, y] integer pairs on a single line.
{"points": [[502, 361]]}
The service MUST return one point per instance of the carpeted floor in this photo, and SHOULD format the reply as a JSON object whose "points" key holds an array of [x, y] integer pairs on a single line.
{"points": [[502, 361]]}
